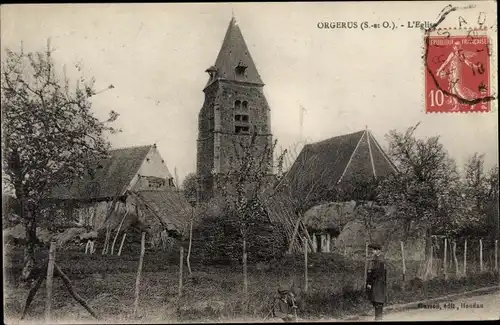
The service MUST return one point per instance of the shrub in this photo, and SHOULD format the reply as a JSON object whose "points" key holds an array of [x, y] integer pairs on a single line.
{"points": [[218, 239]]}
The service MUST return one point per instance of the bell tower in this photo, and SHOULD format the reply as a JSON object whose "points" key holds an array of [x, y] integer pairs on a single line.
{"points": [[235, 110]]}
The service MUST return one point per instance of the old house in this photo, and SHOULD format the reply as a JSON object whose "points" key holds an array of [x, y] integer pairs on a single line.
{"points": [[122, 191], [234, 109], [337, 170]]}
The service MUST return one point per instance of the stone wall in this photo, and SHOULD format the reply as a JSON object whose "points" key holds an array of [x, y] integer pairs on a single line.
{"points": [[231, 113], [205, 143]]}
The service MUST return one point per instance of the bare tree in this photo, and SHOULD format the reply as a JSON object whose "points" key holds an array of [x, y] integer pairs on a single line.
{"points": [[49, 133], [244, 181]]}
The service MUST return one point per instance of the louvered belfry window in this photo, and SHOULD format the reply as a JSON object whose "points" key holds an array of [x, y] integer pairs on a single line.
{"points": [[241, 117]]}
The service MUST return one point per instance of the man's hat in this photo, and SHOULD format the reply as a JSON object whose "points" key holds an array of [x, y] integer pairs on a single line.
{"points": [[283, 289], [375, 246]]}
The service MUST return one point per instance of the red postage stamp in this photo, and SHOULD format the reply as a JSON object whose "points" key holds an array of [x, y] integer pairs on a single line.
{"points": [[457, 76]]}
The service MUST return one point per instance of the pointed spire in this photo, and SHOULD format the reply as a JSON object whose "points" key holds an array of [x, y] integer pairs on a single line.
{"points": [[234, 61]]}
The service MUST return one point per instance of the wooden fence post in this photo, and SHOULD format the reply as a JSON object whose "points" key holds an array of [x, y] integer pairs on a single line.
{"points": [[50, 277], [245, 270], [366, 264], [465, 257], [181, 263], [431, 260], [445, 264], [455, 257], [118, 232], [106, 242], [306, 283], [403, 260], [481, 255], [73, 292], [496, 254], [139, 271]]}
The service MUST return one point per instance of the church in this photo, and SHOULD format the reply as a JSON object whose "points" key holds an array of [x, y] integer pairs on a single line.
{"points": [[235, 110]]}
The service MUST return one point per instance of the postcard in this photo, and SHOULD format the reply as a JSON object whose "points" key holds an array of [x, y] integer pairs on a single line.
{"points": [[250, 162]]}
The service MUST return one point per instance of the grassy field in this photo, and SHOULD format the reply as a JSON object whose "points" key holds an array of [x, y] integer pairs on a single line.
{"points": [[214, 293]]}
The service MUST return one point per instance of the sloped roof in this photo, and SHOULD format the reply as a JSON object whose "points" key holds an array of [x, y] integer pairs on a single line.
{"points": [[329, 162], [111, 176], [170, 206], [234, 52]]}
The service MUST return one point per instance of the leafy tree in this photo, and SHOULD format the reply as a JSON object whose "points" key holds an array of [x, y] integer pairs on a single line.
{"points": [[426, 189], [480, 192], [491, 207], [189, 186], [50, 134]]}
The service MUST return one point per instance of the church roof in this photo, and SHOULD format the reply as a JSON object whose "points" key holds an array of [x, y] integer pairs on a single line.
{"points": [[330, 162], [234, 55], [109, 177]]}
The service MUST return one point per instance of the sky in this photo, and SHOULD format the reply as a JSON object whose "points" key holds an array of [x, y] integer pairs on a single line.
{"points": [[155, 55]]}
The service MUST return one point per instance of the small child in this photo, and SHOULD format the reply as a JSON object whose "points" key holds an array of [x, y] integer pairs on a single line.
{"points": [[284, 305]]}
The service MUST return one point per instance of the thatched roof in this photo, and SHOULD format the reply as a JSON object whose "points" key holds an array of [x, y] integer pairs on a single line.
{"points": [[108, 178], [71, 234], [330, 217], [168, 207], [19, 232], [333, 217], [339, 159]]}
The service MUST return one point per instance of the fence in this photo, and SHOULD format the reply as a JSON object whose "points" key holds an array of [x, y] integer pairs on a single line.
{"points": [[448, 257], [471, 255]]}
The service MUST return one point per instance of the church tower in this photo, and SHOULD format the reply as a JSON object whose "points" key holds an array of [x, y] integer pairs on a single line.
{"points": [[234, 110]]}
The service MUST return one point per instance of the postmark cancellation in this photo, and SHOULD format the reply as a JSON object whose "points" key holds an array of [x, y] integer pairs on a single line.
{"points": [[457, 70]]}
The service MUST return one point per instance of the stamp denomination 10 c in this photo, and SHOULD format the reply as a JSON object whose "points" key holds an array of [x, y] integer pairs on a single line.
{"points": [[457, 77]]}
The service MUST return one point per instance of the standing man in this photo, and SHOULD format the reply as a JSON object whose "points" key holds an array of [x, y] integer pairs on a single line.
{"points": [[376, 281]]}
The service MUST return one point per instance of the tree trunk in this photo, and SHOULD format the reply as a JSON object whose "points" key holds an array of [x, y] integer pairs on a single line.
{"points": [[50, 281], [425, 266], [190, 245], [455, 260], [30, 246], [445, 261], [428, 243]]}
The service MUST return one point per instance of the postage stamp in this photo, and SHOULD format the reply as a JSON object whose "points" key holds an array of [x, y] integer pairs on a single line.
{"points": [[457, 71]]}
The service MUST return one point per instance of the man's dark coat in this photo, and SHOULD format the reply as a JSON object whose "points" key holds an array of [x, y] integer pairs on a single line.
{"points": [[377, 278]]}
